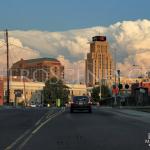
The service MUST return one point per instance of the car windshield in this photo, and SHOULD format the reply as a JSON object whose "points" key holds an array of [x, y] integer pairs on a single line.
{"points": [[80, 98]]}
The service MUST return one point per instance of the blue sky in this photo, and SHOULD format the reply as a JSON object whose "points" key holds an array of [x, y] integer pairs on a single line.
{"points": [[61, 15]]}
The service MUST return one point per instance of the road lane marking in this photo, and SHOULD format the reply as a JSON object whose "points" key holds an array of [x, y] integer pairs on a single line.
{"points": [[29, 130], [17, 140], [24, 142], [48, 119], [38, 128], [38, 122]]}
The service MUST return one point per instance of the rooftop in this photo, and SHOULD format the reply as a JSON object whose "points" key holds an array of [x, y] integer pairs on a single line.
{"points": [[40, 59], [99, 38], [37, 60]]}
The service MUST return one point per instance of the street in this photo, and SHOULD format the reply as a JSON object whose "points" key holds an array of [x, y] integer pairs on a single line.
{"points": [[58, 129]]}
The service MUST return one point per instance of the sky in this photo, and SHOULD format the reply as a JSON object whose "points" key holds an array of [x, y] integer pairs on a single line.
{"points": [[62, 29], [61, 15]]}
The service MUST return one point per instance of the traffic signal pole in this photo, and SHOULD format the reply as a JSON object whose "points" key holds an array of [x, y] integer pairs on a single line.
{"points": [[115, 101], [118, 71]]}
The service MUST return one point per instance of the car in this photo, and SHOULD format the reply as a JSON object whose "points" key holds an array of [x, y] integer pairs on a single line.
{"points": [[33, 105], [81, 103]]}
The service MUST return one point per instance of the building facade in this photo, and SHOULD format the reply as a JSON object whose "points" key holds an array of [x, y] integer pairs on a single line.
{"points": [[31, 92], [40, 69], [77, 89], [99, 65]]}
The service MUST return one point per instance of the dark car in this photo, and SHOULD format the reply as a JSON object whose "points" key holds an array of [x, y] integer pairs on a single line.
{"points": [[81, 103]]}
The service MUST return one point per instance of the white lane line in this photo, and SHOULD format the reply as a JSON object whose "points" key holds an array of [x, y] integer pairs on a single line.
{"points": [[25, 133], [41, 119], [48, 113], [38, 128], [42, 124], [17, 140], [38, 122], [25, 141]]}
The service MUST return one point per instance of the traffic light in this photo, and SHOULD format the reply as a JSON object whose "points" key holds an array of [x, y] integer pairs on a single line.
{"points": [[126, 86], [120, 86], [115, 89]]}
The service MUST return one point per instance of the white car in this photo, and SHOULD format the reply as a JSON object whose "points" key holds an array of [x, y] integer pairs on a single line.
{"points": [[32, 105]]}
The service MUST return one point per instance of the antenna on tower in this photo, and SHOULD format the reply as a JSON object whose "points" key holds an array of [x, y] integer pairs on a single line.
{"points": [[89, 40], [99, 32]]}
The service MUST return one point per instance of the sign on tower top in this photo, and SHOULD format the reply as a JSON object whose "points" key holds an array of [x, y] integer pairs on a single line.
{"points": [[99, 38]]}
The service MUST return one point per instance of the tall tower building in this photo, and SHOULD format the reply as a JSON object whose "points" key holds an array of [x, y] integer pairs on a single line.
{"points": [[99, 62]]}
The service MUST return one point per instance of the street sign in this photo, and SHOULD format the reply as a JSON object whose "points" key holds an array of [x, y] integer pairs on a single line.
{"points": [[58, 102], [142, 91], [18, 92]]}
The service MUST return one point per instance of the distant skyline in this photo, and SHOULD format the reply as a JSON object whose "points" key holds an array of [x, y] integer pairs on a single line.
{"points": [[61, 15], [125, 23]]}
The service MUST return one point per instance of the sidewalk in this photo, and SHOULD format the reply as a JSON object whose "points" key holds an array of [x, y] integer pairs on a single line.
{"points": [[139, 115]]}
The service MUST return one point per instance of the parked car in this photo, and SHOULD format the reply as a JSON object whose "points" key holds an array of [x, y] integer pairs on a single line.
{"points": [[81, 103], [33, 105]]}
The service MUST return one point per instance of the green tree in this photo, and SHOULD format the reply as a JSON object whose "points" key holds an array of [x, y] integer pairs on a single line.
{"points": [[104, 91], [55, 89]]}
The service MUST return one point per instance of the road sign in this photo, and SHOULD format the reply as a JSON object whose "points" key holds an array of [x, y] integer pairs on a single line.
{"points": [[58, 102], [142, 90], [18, 92]]}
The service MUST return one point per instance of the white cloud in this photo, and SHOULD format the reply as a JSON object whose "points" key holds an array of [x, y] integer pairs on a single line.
{"points": [[74, 71], [16, 52], [131, 39]]}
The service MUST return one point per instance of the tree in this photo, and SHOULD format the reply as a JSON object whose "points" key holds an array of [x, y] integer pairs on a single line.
{"points": [[104, 91], [55, 89]]}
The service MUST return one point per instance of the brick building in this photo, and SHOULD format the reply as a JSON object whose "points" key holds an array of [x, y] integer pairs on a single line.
{"points": [[39, 69]]}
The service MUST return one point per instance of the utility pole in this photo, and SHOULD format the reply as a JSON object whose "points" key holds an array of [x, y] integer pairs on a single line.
{"points": [[24, 89], [118, 71], [8, 71]]}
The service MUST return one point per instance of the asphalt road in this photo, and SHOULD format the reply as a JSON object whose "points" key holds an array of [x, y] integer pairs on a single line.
{"points": [[104, 129], [14, 122]]}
